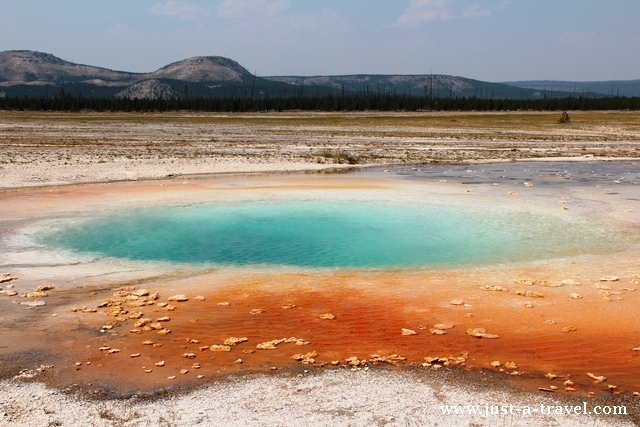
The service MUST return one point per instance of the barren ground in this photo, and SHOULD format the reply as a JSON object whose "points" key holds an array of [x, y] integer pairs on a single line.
{"points": [[63, 148]]}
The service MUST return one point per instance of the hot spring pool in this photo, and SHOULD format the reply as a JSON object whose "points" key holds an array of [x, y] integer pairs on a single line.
{"points": [[332, 234]]}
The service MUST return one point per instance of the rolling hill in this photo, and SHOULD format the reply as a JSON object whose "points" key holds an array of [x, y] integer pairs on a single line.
{"points": [[38, 74]]}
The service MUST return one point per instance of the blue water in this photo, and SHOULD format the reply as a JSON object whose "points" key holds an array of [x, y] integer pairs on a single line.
{"points": [[332, 234]]}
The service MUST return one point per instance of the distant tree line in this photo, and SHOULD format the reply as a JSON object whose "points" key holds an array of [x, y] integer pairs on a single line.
{"points": [[329, 102]]}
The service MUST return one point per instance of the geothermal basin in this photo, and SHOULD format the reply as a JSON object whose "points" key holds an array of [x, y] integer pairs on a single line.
{"points": [[399, 267]]}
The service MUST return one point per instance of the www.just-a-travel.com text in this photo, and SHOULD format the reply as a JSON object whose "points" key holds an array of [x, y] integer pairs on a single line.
{"points": [[542, 409]]}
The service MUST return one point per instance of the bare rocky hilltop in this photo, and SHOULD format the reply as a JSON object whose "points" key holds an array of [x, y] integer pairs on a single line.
{"points": [[41, 73]]}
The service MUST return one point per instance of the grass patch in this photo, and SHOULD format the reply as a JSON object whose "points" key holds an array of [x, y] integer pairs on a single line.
{"points": [[342, 157]]}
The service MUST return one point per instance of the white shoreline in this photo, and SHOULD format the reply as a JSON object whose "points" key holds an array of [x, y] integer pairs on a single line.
{"points": [[325, 398]]}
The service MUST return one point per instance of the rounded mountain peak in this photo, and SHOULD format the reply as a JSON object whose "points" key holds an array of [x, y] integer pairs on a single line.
{"points": [[203, 69]]}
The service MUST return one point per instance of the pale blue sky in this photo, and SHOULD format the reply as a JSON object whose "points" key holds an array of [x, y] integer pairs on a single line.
{"points": [[483, 39]]}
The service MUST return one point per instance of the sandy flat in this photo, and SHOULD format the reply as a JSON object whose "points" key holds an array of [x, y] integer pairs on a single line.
{"points": [[64, 148]]}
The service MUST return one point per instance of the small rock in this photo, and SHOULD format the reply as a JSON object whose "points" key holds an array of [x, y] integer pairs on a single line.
{"points": [[147, 342], [160, 363], [141, 322], [148, 371], [443, 326], [495, 364], [533, 294], [407, 332], [551, 376], [43, 288], [34, 303], [225, 303], [200, 377], [134, 355], [235, 340], [164, 331], [569, 282], [528, 304], [287, 306], [189, 355], [238, 361], [494, 288], [199, 298], [567, 383], [609, 278], [575, 296], [257, 311], [598, 379], [140, 292], [480, 333], [7, 277], [171, 377], [510, 365], [393, 358], [327, 316], [179, 298], [550, 322], [140, 303], [184, 371], [9, 293], [568, 329], [553, 387], [216, 347], [269, 345], [306, 358], [457, 302]]}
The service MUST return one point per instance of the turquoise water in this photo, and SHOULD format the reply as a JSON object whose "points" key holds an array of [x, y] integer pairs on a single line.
{"points": [[332, 234]]}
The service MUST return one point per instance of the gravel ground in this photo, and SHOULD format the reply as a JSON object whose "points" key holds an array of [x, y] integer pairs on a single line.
{"points": [[330, 398]]}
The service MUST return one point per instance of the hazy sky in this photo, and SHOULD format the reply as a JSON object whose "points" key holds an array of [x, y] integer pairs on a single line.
{"points": [[483, 39]]}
